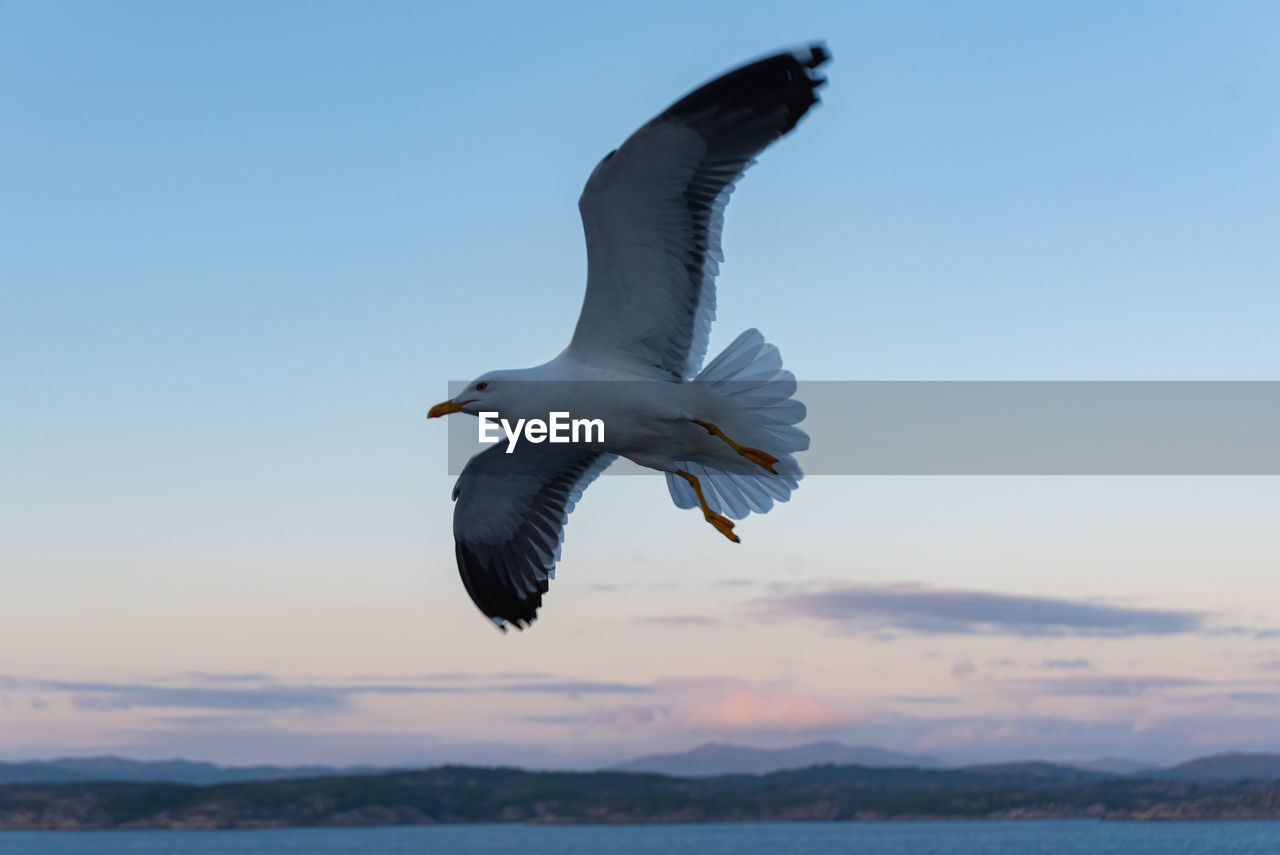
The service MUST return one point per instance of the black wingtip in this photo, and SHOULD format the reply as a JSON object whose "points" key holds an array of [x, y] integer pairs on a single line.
{"points": [[496, 597], [819, 54], [785, 80]]}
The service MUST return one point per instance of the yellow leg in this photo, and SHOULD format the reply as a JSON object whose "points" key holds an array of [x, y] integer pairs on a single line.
{"points": [[723, 524], [755, 455]]}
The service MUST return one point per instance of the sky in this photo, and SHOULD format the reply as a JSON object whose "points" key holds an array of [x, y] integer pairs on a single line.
{"points": [[247, 246]]}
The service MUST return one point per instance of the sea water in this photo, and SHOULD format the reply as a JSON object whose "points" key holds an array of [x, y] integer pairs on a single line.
{"points": [[968, 837]]}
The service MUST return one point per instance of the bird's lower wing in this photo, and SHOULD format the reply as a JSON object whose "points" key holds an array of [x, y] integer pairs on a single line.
{"points": [[508, 523], [653, 211]]}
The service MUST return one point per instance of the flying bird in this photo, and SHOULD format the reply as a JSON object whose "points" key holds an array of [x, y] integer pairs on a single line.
{"points": [[724, 434]]}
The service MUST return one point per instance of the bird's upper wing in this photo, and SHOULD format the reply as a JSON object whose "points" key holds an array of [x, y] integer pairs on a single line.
{"points": [[653, 211], [509, 521]]}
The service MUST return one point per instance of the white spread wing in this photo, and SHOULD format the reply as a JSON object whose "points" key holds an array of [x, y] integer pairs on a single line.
{"points": [[653, 211], [509, 521]]}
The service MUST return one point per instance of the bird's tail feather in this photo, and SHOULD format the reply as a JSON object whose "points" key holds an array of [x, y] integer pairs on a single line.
{"points": [[752, 404]]}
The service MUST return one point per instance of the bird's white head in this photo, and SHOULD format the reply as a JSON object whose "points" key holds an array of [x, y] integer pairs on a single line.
{"points": [[486, 393]]}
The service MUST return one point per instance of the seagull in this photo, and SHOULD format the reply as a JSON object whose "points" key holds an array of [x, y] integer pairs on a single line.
{"points": [[724, 434]]}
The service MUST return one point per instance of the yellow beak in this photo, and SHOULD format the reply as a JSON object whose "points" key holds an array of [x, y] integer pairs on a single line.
{"points": [[444, 408]]}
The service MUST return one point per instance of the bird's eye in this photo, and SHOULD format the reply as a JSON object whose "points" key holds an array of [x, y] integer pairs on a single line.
{"points": [[480, 387]]}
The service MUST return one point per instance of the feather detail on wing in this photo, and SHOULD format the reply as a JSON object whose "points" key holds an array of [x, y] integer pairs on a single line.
{"points": [[508, 523], [653, 212]]}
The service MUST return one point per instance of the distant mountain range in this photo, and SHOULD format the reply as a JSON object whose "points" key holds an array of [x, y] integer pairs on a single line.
{"points": [[705, 761], [719, 759], [1223, 767]]}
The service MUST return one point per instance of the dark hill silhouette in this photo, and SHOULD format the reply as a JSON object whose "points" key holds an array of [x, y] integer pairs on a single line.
{"points": [[469, 794], [1224, 767], [110, 768]]}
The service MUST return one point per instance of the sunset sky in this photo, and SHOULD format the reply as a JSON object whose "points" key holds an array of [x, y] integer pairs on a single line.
{"points": [[248, 245]]}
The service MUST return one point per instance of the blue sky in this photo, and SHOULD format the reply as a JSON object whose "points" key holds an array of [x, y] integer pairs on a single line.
{"points": [[246, 247]]}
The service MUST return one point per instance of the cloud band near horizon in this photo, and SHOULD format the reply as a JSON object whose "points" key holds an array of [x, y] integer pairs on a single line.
{"points": [[924, 610]]}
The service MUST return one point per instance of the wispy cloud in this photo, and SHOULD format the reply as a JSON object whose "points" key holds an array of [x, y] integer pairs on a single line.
{"points": [[1065, 664], [620, 719], [451, 677], [1255, 697], [919, 609], [680, 620], [1111, 687], [268, 695], [713, 707], [122, 696], [728, 705], [220, 678], [214, 720], [931, 700], [572, 687]]}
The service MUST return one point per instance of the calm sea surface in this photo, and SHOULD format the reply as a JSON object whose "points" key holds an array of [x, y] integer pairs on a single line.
{"points": [[1027, 837]]}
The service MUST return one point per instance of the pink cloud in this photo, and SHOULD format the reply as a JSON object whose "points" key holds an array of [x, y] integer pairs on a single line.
{"points": [[728, 705]]}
